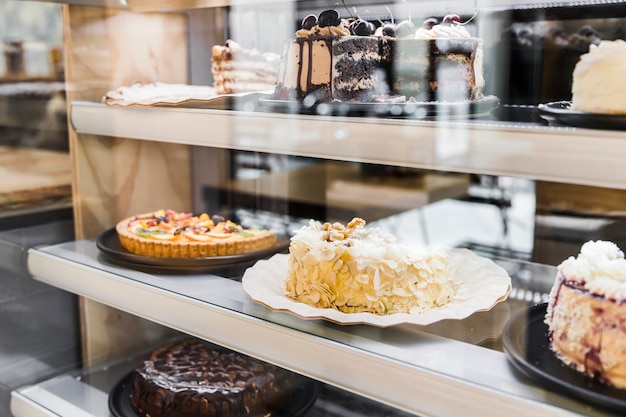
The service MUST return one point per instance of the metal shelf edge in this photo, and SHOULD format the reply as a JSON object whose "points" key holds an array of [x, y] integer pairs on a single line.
{"points": [[345, 366]]}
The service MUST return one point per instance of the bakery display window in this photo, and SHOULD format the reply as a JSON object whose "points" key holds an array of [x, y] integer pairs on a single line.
{"points": [[33, 118], [39, 330], [354, 134]]}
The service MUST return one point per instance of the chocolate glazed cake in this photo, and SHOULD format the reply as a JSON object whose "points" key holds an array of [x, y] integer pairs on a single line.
{"points": [[188, 378]]}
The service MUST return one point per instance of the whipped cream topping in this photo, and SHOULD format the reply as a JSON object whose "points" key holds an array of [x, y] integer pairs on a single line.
{"points": [[442, 32], [323, 31], [597, 84], [600, 268], [356, 269], [436, 32], [606, 54]]}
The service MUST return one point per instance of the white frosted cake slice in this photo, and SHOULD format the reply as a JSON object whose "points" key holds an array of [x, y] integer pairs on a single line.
{"points": [[586, 314], [240, 70], [356, 269], [598, 81]]}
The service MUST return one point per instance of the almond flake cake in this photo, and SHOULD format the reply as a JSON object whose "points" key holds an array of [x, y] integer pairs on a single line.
{"points": [[355, 269]]}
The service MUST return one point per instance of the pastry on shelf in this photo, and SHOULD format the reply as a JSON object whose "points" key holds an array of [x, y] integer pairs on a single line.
{"points": [[586, 313], [355, 269], [598, 79], [335, 59], [188, 378], [172, 234], [240, 70]]}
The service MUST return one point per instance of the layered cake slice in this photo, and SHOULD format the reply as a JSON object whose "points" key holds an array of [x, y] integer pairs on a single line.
{"points": [[358, 72], [326, 62], [440, 62], [442, 59], [586, 314], [332, 59], [239, 70]]}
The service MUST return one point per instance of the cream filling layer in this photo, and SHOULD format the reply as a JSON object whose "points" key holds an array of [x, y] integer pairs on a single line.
{"points": [[600, 268]]}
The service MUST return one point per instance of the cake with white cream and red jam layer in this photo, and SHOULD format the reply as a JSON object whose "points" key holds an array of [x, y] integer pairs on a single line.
{"points": [[355, 269], [586, 313], [188, 378], [332, 59], [171, 234]]}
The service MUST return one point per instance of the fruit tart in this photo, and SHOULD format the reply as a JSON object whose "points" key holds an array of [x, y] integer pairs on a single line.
{"points": [[171, 234]]}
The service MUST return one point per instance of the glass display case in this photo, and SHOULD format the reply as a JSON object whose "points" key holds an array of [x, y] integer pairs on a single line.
{"points": [[514, 184]]}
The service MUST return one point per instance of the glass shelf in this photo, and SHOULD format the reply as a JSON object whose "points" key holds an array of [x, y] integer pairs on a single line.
{"points": [[97, 3], [88, 393], [569, 155], [459, 6], [442, 369]]}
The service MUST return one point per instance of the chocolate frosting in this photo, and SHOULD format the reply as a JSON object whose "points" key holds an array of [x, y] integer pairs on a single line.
{"points": [[188, 378]]}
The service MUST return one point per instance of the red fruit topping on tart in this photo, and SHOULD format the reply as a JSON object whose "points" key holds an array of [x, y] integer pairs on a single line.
{"points": [[170, 234]]}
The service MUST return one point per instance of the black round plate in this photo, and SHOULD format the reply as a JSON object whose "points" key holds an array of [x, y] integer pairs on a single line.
{"points": [[527, 346], [560, 112], [302, 399], [415, 110], [109, 243]]}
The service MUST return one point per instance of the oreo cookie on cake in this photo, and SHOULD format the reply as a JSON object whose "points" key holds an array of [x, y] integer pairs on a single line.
{"points": [[352, 60]]}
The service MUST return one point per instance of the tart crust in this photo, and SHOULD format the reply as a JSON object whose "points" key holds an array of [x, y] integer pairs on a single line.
{"points": [[235, 244]]}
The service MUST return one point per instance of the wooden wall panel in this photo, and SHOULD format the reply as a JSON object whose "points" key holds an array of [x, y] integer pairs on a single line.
{"points": [[116, 177]]}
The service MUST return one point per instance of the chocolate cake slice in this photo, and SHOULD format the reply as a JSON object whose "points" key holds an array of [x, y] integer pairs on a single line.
{"points": [[357, 74], [329, 60], [435, 69]]}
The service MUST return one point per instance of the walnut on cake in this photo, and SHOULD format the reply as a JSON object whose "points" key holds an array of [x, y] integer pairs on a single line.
{"points": [[356, 269]]}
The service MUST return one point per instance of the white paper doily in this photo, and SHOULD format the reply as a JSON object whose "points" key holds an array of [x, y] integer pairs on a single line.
{"points": [[139, 94], [483, 285], [163, 94]]}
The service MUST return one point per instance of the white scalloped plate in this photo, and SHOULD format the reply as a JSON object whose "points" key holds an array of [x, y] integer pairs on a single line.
{"points": [[483, 285], [179, 95]]}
